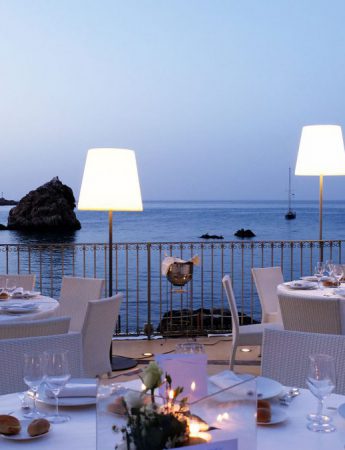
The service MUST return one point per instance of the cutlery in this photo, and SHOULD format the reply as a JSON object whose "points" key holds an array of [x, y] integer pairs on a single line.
{"points": [[287, 398]]}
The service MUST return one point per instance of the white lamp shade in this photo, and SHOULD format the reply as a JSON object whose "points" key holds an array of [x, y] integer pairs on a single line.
{"points": [[110, 181], [321, 151]]}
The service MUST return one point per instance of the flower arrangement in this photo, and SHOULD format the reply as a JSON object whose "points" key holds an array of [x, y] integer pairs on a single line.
{"points": [[156, 423]]}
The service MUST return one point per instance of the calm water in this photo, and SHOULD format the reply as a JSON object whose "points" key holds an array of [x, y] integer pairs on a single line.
{"points": [[186, 221]]}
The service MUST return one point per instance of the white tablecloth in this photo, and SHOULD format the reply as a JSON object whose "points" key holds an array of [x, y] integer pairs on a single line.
{"points": [[47, 307], [80, 432]]}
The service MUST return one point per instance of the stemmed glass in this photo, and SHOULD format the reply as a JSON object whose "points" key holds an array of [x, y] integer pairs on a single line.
{"points": [[319, 271], [34, 374], [321, 382], [329, 266], [10, 286], [338, 272], [57, 375]]}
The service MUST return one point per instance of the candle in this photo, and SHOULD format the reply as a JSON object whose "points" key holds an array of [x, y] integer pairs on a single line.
{"points": [[194, 432]]}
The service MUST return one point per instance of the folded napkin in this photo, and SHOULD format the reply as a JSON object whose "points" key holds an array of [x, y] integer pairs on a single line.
{"points": [[227, 378], [18, 292], [77, 387], [168, 260]]}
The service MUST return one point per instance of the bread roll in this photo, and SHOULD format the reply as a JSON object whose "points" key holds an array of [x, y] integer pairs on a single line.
{"points": [[3, 295], [264, 404], [263, 415], [9, 425], [38, 426]]}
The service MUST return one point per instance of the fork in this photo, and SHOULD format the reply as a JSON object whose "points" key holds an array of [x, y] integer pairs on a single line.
{"points": [[287, 398]]}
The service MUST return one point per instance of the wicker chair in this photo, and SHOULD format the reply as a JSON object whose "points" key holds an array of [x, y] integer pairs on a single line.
{"points": [[12, 357], [30, 328], [74, 297], [27, 281], [311, 315], [285, 356], [242, 334], [266, 280], [88, 351]]}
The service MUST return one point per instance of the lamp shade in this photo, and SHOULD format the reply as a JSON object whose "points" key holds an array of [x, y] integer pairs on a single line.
{"points": [[321, 151], [110, 181]]}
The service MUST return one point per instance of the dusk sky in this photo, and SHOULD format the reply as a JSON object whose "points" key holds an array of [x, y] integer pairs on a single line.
{"points": [[210, 94]]}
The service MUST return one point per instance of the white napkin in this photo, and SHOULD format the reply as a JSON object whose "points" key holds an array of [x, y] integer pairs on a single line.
{"points": [[18, 292], [168, 260], [77, 387], [226, 379]]}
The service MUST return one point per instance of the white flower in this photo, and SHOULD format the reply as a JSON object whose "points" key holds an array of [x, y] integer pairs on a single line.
{"points": [[134, 399], [152, 377]]}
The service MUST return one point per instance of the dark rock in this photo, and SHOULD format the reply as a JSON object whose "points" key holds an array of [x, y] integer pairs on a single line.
{"points": [[4, 202], [2, 227], [48, 208], [200, 321], [242, 233], [210, 236]]}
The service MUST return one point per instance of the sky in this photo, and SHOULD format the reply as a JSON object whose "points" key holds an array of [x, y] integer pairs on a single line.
{"points": [[211, 95]]}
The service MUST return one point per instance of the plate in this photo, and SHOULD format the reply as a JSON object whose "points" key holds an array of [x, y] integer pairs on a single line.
{"points": [[304, 285], [341, 410], [20, 309], [340, 291], [309, 278], [26, 294], [267, 388], [68, 401], [24, 435], [277, 416]]}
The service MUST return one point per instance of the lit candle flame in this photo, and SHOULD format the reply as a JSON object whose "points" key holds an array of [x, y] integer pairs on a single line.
{"points": [[171, 394], [192, 386], [221, 417]]}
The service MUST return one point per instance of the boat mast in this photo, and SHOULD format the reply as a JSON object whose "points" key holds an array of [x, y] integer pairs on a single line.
{"points": [[289, 194]]}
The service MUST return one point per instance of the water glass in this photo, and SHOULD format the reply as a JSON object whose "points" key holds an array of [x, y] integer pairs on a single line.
{"points": [[329, 266], [57, 375], [321, 382], [319, 271], [190, 348], [34, 374], [338, 272]]}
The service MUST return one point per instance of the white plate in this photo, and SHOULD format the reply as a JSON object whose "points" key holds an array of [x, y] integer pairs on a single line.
{"points": [[25, 309], [26, 294], [309, 278], [277, 416], [66, 401], [24, 435], [304, 285], [340, 291], [341, 410], [267, 388]]}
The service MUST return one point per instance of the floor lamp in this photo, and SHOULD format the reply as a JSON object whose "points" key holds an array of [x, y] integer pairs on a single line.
{"points": [[111, 183], [321, 153]]}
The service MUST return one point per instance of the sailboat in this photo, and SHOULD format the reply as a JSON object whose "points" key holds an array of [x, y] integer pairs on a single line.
{"points": [[290, 214]]}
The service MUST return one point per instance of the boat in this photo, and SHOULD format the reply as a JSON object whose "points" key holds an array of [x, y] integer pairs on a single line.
{"points": [[290, 213]]}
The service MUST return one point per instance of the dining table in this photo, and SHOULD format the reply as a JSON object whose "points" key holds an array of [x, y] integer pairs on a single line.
{"points": [[32, 307], [292, 289], [289, 434]]}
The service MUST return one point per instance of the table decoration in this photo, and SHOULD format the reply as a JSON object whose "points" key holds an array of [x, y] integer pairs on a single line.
{"points": [[129, 419]]}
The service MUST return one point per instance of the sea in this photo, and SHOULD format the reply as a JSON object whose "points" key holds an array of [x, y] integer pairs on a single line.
{"points": [[176, 221], [187, 221]]}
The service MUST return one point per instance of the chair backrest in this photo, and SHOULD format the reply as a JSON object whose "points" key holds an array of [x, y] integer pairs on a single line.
{"points": [[232, 304], [44, 327], [12, 357], [97, 332], [74, 297], [285, 356], [311, 315], [266, 280], [26, 281]]}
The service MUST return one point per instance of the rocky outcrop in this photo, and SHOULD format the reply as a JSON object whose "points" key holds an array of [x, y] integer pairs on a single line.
{"points": [[5, 202], [48, 208], [211, 236], [242, 233]]}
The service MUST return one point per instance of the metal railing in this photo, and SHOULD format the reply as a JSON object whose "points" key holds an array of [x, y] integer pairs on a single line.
{"points": [[151, 303]]}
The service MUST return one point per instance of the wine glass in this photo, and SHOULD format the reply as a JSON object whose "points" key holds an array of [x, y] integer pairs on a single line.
{"points": [[34, 373], [319, 271], [10, 286], [338, 272], [329, 266], [57, 375], [321, 382]]}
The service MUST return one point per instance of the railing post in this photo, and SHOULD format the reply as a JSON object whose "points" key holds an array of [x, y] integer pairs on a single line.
{"points": [[148, 329]]}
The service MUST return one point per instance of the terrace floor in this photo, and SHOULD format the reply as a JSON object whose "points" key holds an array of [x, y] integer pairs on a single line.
{"points": [[216, 347]]}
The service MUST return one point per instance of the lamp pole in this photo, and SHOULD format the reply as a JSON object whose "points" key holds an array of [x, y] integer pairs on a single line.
{"points": [[320, 215], [110, 253]]}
